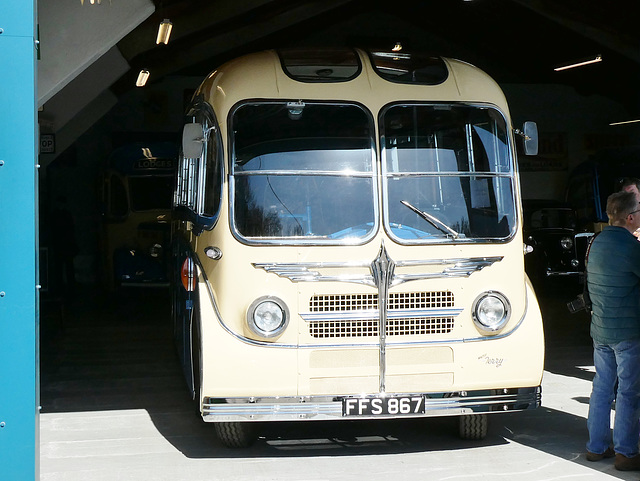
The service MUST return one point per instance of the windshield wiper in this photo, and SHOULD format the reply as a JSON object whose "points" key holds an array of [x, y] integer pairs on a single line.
{"points": [[434, 221]]}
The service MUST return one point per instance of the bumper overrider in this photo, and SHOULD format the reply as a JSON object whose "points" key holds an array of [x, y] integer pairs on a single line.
{"points": [[386, 405]]}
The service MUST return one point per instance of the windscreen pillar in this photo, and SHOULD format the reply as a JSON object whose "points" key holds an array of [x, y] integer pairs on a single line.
{"points": [[19, 396]]}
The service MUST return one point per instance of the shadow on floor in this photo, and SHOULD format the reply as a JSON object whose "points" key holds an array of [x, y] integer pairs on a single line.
{"points": [[115, 352]]}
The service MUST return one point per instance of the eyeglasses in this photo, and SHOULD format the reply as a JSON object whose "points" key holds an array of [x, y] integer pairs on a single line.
{"points": [[633, 212]]}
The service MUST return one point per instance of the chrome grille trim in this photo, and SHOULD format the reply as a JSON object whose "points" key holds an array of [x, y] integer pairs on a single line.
{"points": [[309, 271], [371, 314]]}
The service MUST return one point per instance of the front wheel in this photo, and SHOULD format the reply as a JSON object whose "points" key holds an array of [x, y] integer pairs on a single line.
{"points": [[236, 435], [474, 426]]}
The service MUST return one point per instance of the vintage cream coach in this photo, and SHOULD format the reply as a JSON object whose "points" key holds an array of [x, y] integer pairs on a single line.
{"points": [[347, 243]]}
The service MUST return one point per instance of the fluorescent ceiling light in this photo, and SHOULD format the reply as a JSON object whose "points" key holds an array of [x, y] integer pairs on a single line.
{"points": [[164, 31], [143, 76], [625, 122], [580, 64]]}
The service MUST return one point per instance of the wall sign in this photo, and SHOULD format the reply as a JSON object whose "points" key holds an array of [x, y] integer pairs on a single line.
{"points": [[47, 143]]}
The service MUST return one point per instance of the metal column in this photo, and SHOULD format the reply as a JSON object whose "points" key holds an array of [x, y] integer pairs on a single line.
{"points": [[19, 379]]}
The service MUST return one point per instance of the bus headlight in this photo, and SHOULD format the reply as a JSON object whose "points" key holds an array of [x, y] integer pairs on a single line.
{"points": [[491, 311], [268, 316]]}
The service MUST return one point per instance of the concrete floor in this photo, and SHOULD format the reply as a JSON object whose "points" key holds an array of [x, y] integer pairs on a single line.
{"points": [[114, 407]]}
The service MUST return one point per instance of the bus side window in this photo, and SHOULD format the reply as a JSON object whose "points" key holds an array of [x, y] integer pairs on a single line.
{"points": [[213, 182], [200, 169]]}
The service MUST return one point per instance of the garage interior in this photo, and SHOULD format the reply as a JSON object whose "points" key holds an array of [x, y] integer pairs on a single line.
{"points": [[104, 351], [91, 54], [90, 59]]}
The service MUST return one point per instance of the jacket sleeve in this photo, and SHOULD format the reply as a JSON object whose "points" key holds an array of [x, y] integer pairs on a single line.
{"points": [[635, 259]]}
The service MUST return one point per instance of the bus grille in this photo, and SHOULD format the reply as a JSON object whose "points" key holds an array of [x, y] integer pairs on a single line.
{"points": [[400, 300], [369, 327]]}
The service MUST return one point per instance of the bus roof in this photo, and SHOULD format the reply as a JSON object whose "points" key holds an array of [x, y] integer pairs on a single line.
{"points": [[371, 78]]}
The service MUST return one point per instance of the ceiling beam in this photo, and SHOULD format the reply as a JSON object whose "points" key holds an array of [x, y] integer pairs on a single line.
{"points": [[579, 22], [188, 18], [226, 34]]}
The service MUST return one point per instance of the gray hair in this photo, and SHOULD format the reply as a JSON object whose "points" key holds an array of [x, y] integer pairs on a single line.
{"points": [[619, 206]]}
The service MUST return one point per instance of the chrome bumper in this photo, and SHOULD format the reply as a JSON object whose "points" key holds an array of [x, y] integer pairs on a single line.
{"points": [[562, 273], [319, 408]]}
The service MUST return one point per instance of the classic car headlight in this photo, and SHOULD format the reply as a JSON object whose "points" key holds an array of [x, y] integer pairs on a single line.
{"points": [[491, 311], [566, 243], [155, 250], [267, 316]]}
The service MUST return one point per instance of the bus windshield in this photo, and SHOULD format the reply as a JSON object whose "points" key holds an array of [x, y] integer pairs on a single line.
{"points": [[303, 172], [447, 173], [307, 173]]}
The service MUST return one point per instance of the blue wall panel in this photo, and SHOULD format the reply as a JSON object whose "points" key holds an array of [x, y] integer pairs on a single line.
{"points": [[19, 450], [17, 17]]}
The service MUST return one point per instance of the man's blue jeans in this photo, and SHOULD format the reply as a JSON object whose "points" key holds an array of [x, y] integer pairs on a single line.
{"points": [[616, 364]]}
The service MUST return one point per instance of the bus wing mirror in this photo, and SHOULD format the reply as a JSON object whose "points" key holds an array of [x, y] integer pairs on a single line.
{"points": [[530, 138], [192, 140]]}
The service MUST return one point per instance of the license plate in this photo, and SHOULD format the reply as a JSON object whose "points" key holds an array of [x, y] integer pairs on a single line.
{"points": [[383, 406]]}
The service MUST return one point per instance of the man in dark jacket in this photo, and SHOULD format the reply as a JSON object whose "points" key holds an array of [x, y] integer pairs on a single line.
{"points": [[613, 279], [632, 184]]}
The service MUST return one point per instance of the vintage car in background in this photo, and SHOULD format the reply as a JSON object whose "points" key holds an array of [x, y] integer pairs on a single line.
{"points": [[137, 189], [556, 248]]}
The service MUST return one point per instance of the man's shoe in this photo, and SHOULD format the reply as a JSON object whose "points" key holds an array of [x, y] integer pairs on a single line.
{"points": [[609, 453], [624, 463]]}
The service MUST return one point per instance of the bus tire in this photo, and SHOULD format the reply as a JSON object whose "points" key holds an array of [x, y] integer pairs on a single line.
{"points": [[473, 426], [236, 434]]}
